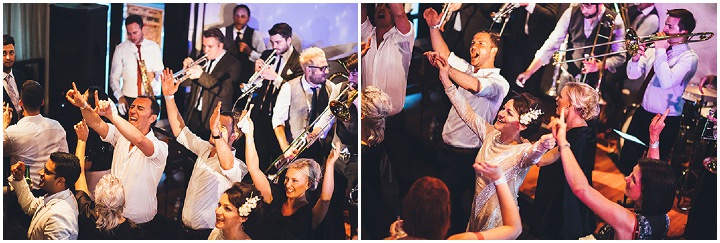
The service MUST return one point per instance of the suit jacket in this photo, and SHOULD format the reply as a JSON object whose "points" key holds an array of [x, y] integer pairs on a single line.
{"points": [[216, 86], [291, 71], [540, 24], [55, 219], [20, 78]]}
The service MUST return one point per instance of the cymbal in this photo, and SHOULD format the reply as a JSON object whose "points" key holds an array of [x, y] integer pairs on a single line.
{"points": [[696, 91]]}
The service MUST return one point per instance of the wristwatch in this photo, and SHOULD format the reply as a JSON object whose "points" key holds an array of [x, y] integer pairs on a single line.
{"points": [[217, 137]]}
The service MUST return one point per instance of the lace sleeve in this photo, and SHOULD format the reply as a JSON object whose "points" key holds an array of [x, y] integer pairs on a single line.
{"points": [[476, 123]]}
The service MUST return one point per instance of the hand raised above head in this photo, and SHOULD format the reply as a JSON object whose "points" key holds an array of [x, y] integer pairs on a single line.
{"points": [[169, 86], [18, 170], [431, 17], [75, 97], [82, 131]]}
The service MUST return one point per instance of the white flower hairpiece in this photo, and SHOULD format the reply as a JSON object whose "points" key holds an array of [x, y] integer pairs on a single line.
{"points": [[248, 206], [531, 115]]}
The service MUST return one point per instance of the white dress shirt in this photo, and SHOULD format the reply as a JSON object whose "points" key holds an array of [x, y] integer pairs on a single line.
{"points": [[485, 103], [32, 140], [672, 74], [257, 41], [558, 36], [282, 104], [207, 183], [54, 217], [386, 65], [124, 65], [140, 174]]}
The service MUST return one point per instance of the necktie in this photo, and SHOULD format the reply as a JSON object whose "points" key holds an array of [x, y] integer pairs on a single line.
{"points": [[210, 66], [313, 110], [238, 38], [139, 74], [279, 62], [270, 88], [200, 89], [10, 88]]}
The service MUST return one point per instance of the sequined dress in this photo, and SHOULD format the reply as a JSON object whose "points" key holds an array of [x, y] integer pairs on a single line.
{"points": [[514, 159]]}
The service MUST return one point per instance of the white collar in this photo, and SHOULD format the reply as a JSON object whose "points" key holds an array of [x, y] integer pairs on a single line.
{"points": [[306, 83], [647, 10]]}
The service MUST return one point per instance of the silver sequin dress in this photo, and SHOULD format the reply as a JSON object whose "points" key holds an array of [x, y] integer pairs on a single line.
{"points": [[514, 159]]}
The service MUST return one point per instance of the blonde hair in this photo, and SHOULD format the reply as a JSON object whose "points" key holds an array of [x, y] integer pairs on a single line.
{"points": [[310, 168], [376, 106], [584, 99], [109, 202], [309, 54]]}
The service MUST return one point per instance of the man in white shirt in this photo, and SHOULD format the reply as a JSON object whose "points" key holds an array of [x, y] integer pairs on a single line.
{"points": [[34, 137], [484, 88], [216, 167], [138, 158], [387, 62], [244, 43], [55, 215], [125, 65], [302, 100], [667, 69]]}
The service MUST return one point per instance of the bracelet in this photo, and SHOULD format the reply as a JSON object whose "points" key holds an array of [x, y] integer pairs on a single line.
{"points": [[217, 137], [655, 144], [564, 145], [169, 97], [84, 106], [502, 180]]}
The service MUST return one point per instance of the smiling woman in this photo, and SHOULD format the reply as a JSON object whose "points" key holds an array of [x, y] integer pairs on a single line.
{"points": [[237, 205]]}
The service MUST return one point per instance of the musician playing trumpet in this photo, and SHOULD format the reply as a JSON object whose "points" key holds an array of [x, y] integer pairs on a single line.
{"points": [[665, 70], [211, 84]]}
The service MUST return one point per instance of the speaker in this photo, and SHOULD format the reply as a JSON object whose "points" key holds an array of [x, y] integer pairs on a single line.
{"points": [[78, 46]]}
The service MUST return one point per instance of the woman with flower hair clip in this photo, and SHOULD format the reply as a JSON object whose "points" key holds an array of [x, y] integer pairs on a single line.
{"points": [[503, 144], [237, 205]]}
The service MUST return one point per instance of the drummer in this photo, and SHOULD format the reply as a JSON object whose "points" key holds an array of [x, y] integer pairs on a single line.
{"points": [[667, 68]]}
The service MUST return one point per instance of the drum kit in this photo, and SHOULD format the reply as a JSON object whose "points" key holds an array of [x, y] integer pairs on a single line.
{"points": [[697, 141]]}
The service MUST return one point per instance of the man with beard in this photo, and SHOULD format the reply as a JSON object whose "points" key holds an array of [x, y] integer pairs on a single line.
{"points": [[125, 64], [580, 23], [480, 82], [301, 101], [138, 158], [391, 40], [285, 67], [12, 79]]}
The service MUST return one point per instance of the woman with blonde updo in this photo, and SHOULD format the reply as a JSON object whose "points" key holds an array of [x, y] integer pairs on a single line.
{"points": [[559, 214], [103, 218]]}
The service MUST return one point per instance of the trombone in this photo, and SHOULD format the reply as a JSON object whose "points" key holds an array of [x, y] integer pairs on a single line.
{"points": [[632, 44], [339, 110], [181, 75]]}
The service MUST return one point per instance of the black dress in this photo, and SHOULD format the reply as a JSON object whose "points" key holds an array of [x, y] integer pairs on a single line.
{"points": [[378, 197], [559, 214], [274, 226], [87, 218]]}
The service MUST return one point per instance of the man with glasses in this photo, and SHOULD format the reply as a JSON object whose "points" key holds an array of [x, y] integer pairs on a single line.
{"points": [[302, 100], [55, 215]]}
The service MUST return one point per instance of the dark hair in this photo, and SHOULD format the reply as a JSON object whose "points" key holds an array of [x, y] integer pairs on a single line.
{"points": [[134, 18], [239, 192], [426, 209], [687, 20], [67, 166], [32, 95], [522, 104], [8, 40], [235, 116], [494, 38], [281, 28], [239, 6], [154, 107], [657, 186], [215, 33]]}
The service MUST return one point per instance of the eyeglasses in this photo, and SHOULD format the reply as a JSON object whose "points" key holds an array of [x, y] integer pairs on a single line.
{"points": [[47, 172], [323, 68]]}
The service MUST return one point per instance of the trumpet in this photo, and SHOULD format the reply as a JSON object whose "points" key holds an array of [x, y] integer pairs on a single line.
{"points": [[632, 44], [504, 12], [147, 88], [445, 16], [252, 83], [181, 75], [339, 109]]}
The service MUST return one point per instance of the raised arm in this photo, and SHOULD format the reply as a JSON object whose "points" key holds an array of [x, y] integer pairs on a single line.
{"points": [[401, 20], [253, 163], [656, 126], [90, 115], [328, 186], [224, 153], [82, 133], [130, 132], [618, 217], [169, 88], [438, 43]]}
